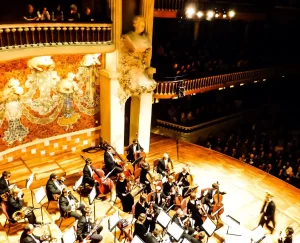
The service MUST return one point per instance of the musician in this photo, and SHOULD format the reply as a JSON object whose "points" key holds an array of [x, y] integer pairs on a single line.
{"points": [[66, 201], [143, 177], [200, 237], [15, 204], [142, 207], [193, 208], [53, 188], [154, 237], [123, 192], [139, 227], [288, 238], [27, 235], [208, 196], [163, 165], [158, 197], [183, 182], [111, 163], [182, 220], [268, 212], [169, 188], [88, 172], [4, 182], [133, 148], [85, 226]]}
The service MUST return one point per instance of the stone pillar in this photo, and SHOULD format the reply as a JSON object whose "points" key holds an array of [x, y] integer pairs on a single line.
{"points": [[111, 111], [140, 119]]}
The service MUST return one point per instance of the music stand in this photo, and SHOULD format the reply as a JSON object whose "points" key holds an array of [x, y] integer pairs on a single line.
{"points": [[233, 226], [163, 219], [137, 239], [28, 183], [257, 235], [175, 231], [209, 226], [184, 240], [91, 198], [77, 185], [69, 236], [39, 195], [112, 223]]}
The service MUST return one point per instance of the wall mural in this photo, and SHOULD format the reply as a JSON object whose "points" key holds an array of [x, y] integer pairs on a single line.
{"points": [[47, 96]]}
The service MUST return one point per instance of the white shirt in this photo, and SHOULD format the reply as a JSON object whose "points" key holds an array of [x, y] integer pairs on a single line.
{"points": [[111, 156], [7, 181], [37, 241], [265, 209], [134, 148], [57, 185], [158, 197], [166, 163], [92, 172]]}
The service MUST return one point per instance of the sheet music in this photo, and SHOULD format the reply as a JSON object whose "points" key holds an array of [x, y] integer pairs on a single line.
{"points": [[175, 231], [69, 236], [209, 226], [78, 183], [39, 195], [92, 195], [163, 218], [113, 221], [29, 181], [137, 239]]}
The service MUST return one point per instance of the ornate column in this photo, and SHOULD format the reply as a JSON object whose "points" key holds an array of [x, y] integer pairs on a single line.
{"points": [[147, 11]]}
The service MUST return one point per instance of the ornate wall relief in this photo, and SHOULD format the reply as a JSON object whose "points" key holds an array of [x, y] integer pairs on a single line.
{"points": [[136, 76], [50, 97]]}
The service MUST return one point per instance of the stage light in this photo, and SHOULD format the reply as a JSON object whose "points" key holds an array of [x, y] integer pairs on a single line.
{"points": [[264, 80], [190, 12], [216, 15], [199, 14], [224, 16], [231, 86], [231, 14], [210, 14]]}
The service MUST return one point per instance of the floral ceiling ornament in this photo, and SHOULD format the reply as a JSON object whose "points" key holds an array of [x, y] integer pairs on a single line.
{"points": [[136, 76]]}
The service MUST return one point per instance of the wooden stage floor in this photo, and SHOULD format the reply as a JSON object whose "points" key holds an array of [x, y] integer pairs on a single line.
{"points": [[245, 187]]}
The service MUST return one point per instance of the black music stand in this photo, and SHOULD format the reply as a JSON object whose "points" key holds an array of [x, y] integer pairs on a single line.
{"points": [[112, 223], [28, 183], [91, 198], [40, 194]]}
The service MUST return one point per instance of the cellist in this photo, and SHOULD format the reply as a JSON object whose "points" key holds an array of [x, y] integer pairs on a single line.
{"points": [[164, 165], [133, 148], [183, 182], [111, 164], [208, 196]]}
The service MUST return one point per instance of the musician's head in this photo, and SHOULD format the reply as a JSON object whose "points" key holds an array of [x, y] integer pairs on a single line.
{"points": [[201, 235], [158, 189], [135, 141], [65, 192], [88, 161], [15, 192], [179, 213], [28, 229], [86, 211], [53, 177], [193, 196], [215, 186], [269, 196], [6, 174], [156, 232], [143, 198], [121, 177], [183, 169], [170, 179], [142, 218], [109, 149], [289, 231], [165, 156]]}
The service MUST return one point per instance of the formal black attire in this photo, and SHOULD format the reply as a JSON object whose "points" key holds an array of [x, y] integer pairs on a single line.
{"points": [[131, 150], [192, 208], [139, 209], [167, 189], [51, 189], [157, 199], [14, 205], [179, 221], [4, 185], [65, 207], [25, 238], [161, 167], [268, 211], [208, 197], [87, 18], [126, 198], [140, 230], [110, 164], [149, 238], [287, 239], [84, 227], [73, 17], [183, 182], [144, 180]]}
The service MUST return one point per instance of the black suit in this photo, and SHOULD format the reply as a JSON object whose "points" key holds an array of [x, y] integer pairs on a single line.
{"points": [[3, 185], [288, 239], [130, 152], [195, 214], [65, 207], [84, 227], [87, 176], [51, 189], [158, 201], [180, 223], [269, 213], [139, 230], [110, 164], [25, 238], [161, 167], [14, 205], [149, 238]]}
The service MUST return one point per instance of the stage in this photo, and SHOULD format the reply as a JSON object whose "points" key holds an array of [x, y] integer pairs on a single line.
{"points": [[244, 185]]}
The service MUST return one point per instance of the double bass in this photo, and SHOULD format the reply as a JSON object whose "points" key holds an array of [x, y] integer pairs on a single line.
{"points": [[140, 153], [218, 207]]}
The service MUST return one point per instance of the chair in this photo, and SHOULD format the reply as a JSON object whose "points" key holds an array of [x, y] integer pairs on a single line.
{"points": [[155, 163], [49, 200], [8, 219], [62, 217]]}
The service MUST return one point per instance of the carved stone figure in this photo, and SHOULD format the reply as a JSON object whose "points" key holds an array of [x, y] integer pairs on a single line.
{"points": [[41, 63], [10, 98], [90, 60], [136, 76]]}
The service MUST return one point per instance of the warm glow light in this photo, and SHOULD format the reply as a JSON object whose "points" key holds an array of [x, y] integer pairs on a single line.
{"points": [[241, 84], [216, 15], [199, 14], [190, 12], [264, 80], [224, 16], [255, 81], [210, 14], [231, 86], [221, 88], [231, 13]]}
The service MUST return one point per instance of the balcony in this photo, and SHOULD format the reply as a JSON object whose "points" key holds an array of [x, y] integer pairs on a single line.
{"points": [[54, 38], [169, 89]]}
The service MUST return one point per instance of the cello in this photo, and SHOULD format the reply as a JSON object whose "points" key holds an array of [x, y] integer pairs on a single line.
{"points": [[218, 207], [139, 153]]}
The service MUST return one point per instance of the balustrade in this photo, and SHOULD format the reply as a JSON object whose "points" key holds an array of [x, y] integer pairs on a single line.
{"points": [[169, 5], [16, 36], [169, 89]]}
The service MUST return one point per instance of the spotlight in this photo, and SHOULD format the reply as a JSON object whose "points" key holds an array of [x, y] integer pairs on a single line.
{"points": [[224, 16], [199, 14], [190, 12], [231, 14], [210, 14], [216, 15]]}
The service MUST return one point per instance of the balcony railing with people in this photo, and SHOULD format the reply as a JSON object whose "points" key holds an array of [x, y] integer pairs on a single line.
{"points": [[172, 89]]}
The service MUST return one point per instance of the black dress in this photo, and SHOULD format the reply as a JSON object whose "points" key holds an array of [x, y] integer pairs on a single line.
{"points": [[140, 230], [144, 180], [127, 200]]}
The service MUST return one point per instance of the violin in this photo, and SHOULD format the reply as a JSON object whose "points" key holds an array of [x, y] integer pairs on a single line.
{"points": [[218, 207]]}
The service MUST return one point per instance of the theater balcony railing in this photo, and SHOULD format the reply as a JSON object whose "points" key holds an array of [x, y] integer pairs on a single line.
{"points": [[169, 89], [28, 39]]}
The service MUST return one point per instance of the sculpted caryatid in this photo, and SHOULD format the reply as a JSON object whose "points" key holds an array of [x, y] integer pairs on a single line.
{"points": [[135, 72]]}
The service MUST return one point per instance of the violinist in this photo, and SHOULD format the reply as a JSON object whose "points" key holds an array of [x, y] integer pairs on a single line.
{"points": [[53, 188], [145, 174], [169, 188], [164, 165], [158, 197], [27, 235], [183, 221], [133, 148], [193, 208], [154, 237], [141, 206], [287, 237], [123, 192], [88, 172], [68, 206], [110, 162], [139, 226], [183, 182]]}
